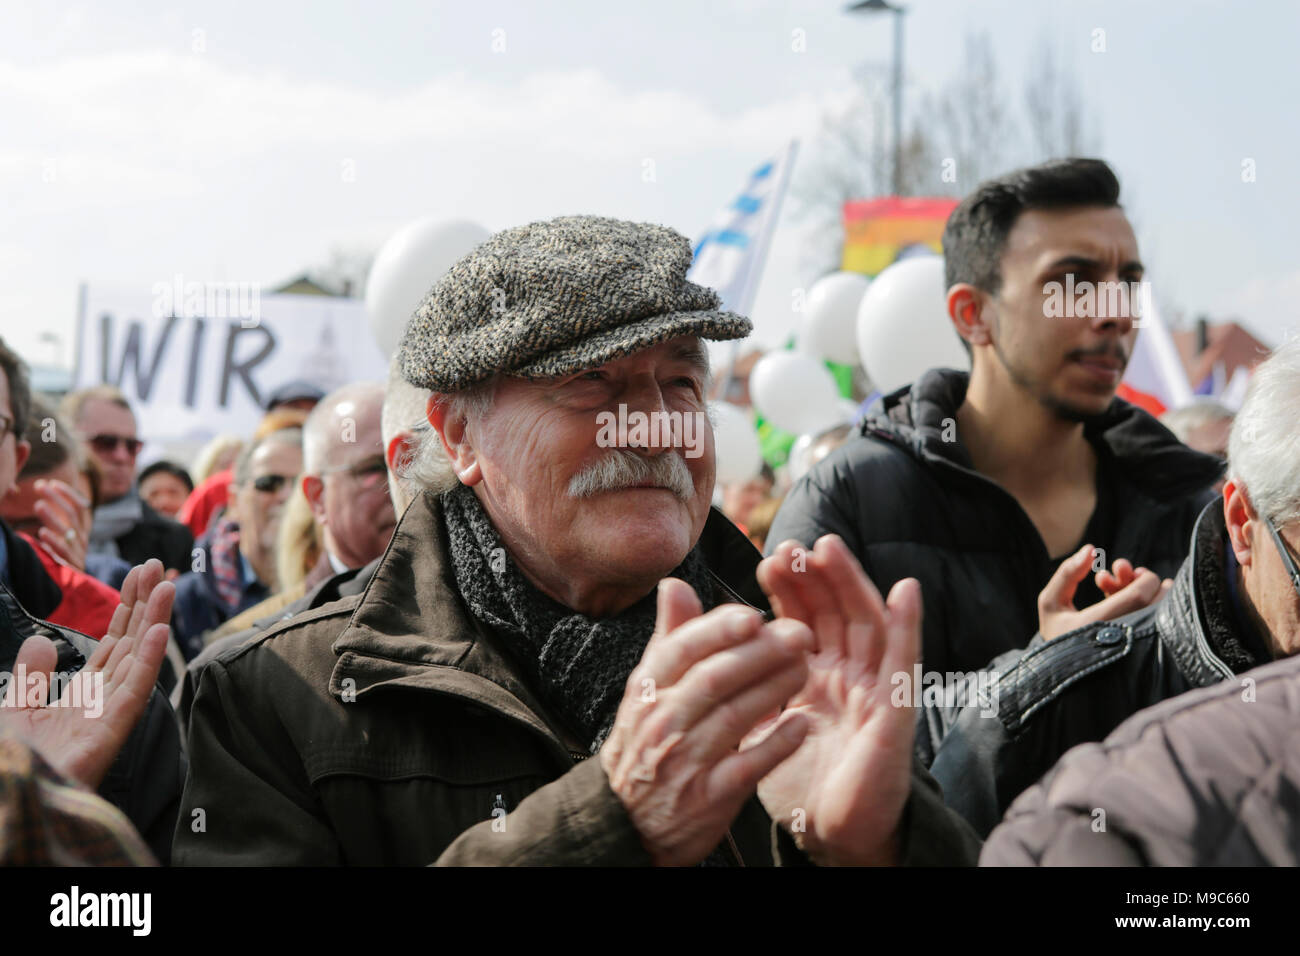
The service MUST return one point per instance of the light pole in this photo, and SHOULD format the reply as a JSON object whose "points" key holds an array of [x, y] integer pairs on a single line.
{"points": [[884, 6]]}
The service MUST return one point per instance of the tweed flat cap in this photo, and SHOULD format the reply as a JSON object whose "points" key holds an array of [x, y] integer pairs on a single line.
{"points": [[553, 298]]}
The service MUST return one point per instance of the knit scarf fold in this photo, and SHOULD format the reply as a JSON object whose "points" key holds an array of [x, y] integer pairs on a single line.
{"points": [[579, 666]]}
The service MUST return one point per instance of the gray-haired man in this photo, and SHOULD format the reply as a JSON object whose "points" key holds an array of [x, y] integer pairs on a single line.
{"points": [[562, 657]]}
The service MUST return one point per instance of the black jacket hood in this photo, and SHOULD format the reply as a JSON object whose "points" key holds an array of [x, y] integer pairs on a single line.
{"points": [[917, 416]]}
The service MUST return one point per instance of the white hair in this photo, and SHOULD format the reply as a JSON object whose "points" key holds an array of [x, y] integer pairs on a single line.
{"points": [[429, 468], [403, 413], [323, 430], [404, 404], [1202, 411], [1264, 448]]}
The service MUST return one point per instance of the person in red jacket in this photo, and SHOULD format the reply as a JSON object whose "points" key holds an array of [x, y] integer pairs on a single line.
{"points": [[44, 529]]}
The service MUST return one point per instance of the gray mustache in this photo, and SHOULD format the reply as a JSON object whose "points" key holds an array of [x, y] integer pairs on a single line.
{"points": [[621, 468]]}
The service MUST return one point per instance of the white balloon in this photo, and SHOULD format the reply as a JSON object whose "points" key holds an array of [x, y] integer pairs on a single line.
{"points": [[795, 392], [829, 329], [903, 325], [735, 441], [407, 266]]}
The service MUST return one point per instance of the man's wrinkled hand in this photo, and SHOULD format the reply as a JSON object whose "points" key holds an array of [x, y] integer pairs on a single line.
{"points": [[842, 794], [703, 683]]}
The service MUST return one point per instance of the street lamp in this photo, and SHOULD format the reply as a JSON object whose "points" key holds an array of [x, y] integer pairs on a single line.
{"points": [[884, 6]]}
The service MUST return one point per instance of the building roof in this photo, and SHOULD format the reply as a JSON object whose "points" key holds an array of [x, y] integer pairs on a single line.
{"points": [[1229, 344]]}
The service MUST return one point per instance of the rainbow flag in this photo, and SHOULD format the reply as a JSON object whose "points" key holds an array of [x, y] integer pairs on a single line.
{"points": [[879, 232]]}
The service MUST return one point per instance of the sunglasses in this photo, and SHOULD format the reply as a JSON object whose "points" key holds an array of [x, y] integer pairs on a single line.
{"points": [[107, 444], [270, 484]]}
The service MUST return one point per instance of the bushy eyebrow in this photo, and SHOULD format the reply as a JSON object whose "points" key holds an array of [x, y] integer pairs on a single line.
{"points": [[694, 355], [1085, 263]]}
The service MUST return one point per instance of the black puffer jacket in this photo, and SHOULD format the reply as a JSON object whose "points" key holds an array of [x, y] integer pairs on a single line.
{"points": [[1210, 778], [146, 779], [1080, 686], [907, 500]]}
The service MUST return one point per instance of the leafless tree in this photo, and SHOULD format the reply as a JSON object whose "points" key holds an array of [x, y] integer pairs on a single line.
{"points": [[1058, 124], [965, 133], [967, 130]]}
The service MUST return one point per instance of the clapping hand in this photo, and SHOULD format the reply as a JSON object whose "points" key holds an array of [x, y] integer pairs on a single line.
{"points": [[703, 683], [82, 731], [842, 793]]}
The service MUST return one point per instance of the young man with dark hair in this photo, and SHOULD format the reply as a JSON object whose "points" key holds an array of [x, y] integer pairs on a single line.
{"points": [[1002, 489]]}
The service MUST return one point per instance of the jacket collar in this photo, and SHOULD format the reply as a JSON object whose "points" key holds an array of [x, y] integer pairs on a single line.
{"points": [[919, 416], [1196, 622], [17, 624], [412, 630]]}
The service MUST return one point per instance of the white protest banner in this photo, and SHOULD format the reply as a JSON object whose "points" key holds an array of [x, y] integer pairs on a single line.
{"points": [[195, 362]]}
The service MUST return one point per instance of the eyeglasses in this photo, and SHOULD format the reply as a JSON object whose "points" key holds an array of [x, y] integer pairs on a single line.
{"points": [[1288, 559], [368, 472], [107, 444], [6, 425], [270, 484]]}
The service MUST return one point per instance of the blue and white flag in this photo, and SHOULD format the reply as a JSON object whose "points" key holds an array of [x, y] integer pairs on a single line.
{"points": [[729, 257]]}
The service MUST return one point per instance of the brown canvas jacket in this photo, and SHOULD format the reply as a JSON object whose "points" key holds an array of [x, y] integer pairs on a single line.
{"points": [[394, 728]]}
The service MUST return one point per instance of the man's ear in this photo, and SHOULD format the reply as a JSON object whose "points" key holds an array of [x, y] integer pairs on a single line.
{"points": [[456, 443], [313, 490], [399, 453], [967, 309], [1242, 522]]}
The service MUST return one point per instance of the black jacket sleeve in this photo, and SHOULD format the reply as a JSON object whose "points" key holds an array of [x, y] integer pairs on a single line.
{"points": [[1045, 699], [146, 780]]}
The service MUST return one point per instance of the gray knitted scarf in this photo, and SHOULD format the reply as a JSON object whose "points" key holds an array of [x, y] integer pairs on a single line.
{"points": [[579, 665]]}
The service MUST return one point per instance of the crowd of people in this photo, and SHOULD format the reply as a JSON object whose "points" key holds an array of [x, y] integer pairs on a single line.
{"points": [[430, 621]]}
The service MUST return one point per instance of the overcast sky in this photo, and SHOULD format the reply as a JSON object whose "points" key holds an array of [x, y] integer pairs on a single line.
{"points": [[140, 140]]}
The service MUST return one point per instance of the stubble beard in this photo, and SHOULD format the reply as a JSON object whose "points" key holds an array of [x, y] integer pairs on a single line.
{"points": [[1025, 380]]}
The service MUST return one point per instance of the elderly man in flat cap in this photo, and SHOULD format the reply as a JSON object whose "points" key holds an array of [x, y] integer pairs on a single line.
{"points": [[565, 655]]}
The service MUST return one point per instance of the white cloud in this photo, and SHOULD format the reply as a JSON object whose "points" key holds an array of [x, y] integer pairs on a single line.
{"points": [[157, 103], [127, 166]]}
